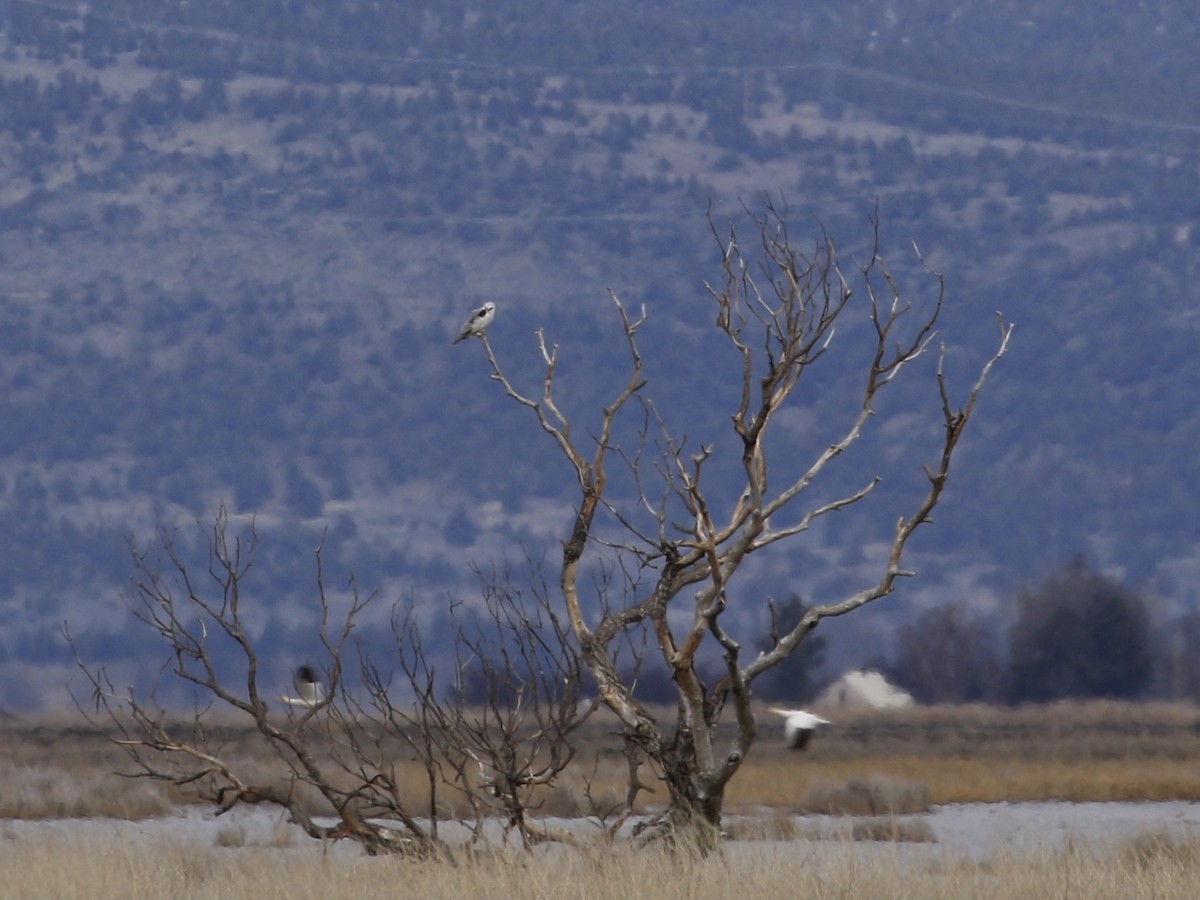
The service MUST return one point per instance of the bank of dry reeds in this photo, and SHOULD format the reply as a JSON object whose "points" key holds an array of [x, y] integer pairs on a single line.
{"points": [[1095, 751], [863, 764]]}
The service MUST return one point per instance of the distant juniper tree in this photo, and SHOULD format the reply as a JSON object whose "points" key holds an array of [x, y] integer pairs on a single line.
{"points": [[1079, 634], [794, 679]]}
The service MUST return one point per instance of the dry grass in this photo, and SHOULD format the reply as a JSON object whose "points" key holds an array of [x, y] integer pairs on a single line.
{"points": [[770, 826], [879, 767], [874, 796], [778, 826], [867, 764], [235, 836], [978, 779], [45, 792], [100, 870], [887, 828], [1075, 752]]}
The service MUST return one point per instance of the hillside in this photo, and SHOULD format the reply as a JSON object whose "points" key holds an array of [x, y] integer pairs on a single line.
{"points": [[236, 240]]}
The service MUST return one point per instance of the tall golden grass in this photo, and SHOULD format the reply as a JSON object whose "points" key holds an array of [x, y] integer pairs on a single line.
{"points": [[1095, 751], [1149, 867]]}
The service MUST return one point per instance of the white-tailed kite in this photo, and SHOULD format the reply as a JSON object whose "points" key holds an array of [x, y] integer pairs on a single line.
{"points": [[308, 686], [477, 323], [798, 726]]}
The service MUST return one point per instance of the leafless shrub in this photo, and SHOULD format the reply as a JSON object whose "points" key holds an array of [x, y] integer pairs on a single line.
{"points": [[491, 741], [868, 797], [48, 792], [231, 836], [895, 830], [776, 826]]}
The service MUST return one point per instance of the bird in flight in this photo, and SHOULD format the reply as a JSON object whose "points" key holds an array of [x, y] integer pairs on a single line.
{"points": [[308, 685], [477, 323], [798, 726]]}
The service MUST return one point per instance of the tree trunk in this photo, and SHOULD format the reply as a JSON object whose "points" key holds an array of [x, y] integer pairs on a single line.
{"points": [[693, 819]]}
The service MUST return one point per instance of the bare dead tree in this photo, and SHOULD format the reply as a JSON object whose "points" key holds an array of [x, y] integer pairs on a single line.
{"points": [[777, 308], [339, 764]]}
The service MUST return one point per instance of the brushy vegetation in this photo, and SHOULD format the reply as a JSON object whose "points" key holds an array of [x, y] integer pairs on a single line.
{"points": [[866, 764], [52, 769]]}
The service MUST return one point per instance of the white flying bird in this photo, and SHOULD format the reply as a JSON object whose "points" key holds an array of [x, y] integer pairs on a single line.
{"points": [[308, 686], [798, 726], [477, 323]]}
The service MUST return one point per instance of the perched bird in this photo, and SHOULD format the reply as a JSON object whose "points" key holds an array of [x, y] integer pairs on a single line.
{"points": [[798, 726], [308, 686], [477, 323]]}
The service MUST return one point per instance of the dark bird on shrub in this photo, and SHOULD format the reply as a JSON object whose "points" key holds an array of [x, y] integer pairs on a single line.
{"points": [[798, 726], [477, 323]]}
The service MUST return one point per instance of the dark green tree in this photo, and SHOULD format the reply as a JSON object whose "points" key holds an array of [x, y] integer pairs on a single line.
{"points": [[1079, 634]]}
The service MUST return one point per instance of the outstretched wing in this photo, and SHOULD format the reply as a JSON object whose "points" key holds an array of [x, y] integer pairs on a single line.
{"points": [[798, 726]]}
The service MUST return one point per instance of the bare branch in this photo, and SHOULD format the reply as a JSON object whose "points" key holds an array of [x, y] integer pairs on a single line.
{"points": [[955, 423]]}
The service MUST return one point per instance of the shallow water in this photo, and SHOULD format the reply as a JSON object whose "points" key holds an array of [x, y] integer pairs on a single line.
{"points": [[976, 830], [986, 828]]}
